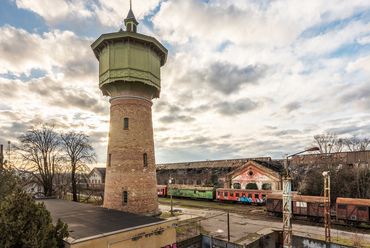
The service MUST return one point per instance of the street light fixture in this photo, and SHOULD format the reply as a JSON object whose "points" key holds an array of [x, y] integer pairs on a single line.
{"points": [[287, 206]]}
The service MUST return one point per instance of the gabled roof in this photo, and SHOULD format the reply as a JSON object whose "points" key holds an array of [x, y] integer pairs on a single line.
{"points": [[267, 167], [100, 170]]}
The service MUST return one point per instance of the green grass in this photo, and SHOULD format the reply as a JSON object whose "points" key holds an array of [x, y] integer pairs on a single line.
{"points": [[354, 242], [166, 215], [83, 199], [203, 204], [190, 225]]}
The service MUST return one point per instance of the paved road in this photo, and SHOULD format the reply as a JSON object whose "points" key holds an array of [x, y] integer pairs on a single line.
{"points": [[247, 226]]}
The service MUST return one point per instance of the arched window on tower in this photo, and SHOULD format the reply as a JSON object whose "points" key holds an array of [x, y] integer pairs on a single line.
{"points": [[125, 123], [145, 160], [134, 28], [129, 27]]}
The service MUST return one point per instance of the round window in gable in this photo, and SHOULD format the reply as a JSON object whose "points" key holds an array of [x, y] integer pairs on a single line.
{"points": [[250, 173]]}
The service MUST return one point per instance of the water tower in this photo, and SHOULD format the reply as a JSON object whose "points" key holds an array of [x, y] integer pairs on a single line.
{"points": [[129, 73]]}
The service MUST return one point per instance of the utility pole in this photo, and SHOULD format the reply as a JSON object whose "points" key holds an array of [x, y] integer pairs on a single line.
{"points": [[9, 154], [327, 216], [287, 203], [228, 227], [170, 182], [1, 157], [287, 212]]}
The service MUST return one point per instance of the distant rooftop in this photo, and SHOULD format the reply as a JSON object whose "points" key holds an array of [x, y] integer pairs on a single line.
{"points": [[209, 164], [86, 221]]}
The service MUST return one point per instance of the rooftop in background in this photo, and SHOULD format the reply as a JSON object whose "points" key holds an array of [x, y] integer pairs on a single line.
{"points": [[209, 163], [87, 221]]}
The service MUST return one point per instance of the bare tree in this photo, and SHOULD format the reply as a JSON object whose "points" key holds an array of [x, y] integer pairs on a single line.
{"points": [[79, 153], [353, 143], [356, 144], [326, 142], [364, 144], [39, 149]]}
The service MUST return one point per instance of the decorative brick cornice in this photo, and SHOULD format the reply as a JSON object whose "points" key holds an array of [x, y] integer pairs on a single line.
{"points": [[131, 97]]}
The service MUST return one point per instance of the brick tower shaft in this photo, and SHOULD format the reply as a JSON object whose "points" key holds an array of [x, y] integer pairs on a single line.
{"points": [[129, 73], [131, 160]]}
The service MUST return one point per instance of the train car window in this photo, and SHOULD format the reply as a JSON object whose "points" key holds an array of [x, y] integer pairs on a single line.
{"points": [[195, 191], [222, 193], [231, 194], [263, 196], [362, 208], [342, 206], [270, 200], [249, 195], [257, 196], [243, 195], [237, 194]]}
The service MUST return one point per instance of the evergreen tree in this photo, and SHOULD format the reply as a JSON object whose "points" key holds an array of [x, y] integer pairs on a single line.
{"points": [[23, 223]]}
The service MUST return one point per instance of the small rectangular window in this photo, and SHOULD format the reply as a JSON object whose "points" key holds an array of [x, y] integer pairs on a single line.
{"points": [[231, 194], [362, 208], [109, 160], [342, 206], [145, 160], [243, 195], [125, 123], [257, 196], [237, 194], [249, 195], [222, 193], [124, 198]]}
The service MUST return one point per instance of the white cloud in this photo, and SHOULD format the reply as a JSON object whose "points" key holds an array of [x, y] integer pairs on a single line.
{"points": [[362, 64]]}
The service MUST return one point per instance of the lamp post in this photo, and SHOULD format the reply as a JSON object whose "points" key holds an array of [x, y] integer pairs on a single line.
{"points": [[170, 183], [287, 206]]}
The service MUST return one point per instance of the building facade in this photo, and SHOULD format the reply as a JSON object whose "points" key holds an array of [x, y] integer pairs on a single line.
{"points": [[129, 72], [201, 172], [263, 175], [96, 178]]}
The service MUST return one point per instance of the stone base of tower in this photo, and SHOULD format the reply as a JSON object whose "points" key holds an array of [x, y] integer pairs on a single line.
{"points": [[148, 207], [141, 193]]}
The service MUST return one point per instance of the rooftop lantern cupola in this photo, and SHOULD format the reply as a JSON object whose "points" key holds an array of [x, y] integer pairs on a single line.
{"points": [[130, 21]]}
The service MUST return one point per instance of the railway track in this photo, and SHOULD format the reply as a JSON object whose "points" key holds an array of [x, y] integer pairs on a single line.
{"points": [[257, 212]]}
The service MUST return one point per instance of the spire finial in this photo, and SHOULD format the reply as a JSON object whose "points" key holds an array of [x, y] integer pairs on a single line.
{"points": [[130, 21]]}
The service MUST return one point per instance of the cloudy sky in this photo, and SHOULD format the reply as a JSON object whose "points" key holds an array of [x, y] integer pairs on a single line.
{"points": [[243, 78]]}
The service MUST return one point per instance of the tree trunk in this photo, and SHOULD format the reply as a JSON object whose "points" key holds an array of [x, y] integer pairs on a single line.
{"points": [[74, 184]]}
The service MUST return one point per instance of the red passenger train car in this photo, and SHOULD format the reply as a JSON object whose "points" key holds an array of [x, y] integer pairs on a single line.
{"points": [[162, 190], [242, 195], [353, 211]]}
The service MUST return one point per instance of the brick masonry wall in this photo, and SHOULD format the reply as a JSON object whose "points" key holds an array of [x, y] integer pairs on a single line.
{"points": [[126, 171]]}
